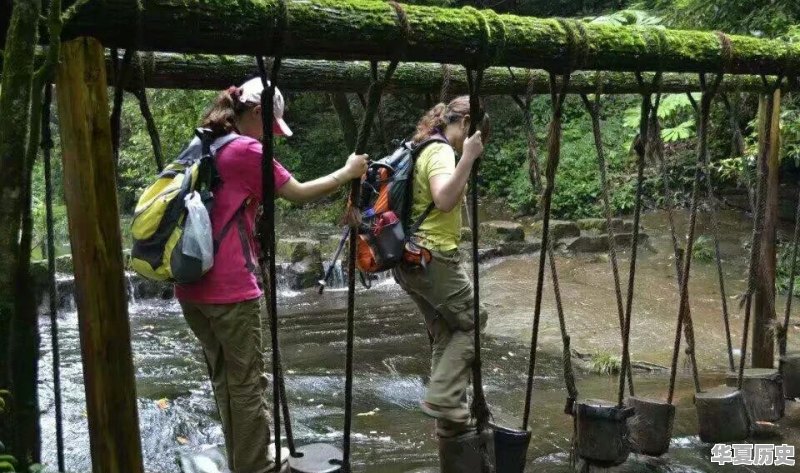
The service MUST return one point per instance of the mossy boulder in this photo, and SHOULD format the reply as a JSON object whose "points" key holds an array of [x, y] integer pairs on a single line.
{"points": [[559, 229], [305, 262], [295, 249], [501, 230], [466, 234]]}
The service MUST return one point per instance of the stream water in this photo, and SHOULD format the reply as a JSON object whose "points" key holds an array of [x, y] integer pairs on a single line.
{"points": [[390, 434]]}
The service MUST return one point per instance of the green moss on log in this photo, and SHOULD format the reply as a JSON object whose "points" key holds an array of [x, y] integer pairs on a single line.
{"points": [[370, 30]]}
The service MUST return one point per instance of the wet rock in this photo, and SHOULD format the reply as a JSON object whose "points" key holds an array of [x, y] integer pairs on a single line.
{"points": [[508, 249], [588, 244], [142, 288], [296, 249], [559, 229], [599, 243], [501, 230], [64, 264], [599, 225]]}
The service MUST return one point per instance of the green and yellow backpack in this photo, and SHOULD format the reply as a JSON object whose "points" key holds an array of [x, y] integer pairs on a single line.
{"points": [[160, 214]]}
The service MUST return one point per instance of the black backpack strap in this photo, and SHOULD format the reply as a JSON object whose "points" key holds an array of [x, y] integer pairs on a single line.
{"points": [[415, 152], [415, 226], [237, 217]]}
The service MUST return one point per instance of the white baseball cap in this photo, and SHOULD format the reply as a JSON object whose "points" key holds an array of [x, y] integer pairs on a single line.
{"points": [[250, 92]]}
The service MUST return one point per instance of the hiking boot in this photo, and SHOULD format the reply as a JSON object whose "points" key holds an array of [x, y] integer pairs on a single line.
{"points": [[457, 415], [448, 429]]}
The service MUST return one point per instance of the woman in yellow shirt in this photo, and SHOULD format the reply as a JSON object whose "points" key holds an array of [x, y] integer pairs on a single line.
{"points": [[441, 288]]}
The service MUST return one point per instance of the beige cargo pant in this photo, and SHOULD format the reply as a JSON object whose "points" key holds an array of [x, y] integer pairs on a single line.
{"points": [[443, 293], [232, 339]]}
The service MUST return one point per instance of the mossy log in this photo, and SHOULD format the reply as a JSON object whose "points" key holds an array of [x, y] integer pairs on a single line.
{"points": [[372, 30], [185, 71]]}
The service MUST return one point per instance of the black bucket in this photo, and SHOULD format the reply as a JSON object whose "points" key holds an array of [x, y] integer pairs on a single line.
{"points": [[602, 432], [651, 425], [722, 415], [510, 449], [465, 453], [790, 371], [763, 393]]}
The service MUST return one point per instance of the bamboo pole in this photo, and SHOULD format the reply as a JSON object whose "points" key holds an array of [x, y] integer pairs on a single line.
{"points": [[764, 319], [369, 30], [91, 198]]}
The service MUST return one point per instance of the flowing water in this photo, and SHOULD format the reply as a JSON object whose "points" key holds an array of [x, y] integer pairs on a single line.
{"points": [[177, 412]]}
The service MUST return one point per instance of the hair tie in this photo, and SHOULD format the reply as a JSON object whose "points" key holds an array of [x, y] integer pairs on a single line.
{"points": [[234, 91]]}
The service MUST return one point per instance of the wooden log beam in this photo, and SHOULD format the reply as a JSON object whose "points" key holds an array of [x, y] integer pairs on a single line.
{"points": [[372, 30], [215, 72], [91, 198], [209, 72]]}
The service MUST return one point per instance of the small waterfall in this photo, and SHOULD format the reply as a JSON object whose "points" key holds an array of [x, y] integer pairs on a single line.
{"points": [[337, 279], [130, 287]]}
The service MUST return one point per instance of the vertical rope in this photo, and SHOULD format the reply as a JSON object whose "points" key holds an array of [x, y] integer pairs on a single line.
{"points": [[557, 97], [536, 182], [683, 309], [47, 146], [267, 221], [267, 232], [684, 324], [713, 206], [353, 219], [594, 114], [761, 201], [479, 408], [640, 148]]}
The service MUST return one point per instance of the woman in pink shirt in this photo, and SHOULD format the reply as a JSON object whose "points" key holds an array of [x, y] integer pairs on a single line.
{"points": [[223, 309]]}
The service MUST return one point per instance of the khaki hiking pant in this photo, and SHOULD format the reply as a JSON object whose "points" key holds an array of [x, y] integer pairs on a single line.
{"points": [[232, 339], [443, 293]]}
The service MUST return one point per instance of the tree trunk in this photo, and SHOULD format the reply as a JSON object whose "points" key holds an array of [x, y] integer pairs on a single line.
{"points": [[346, 119], [370, 30], [14, 119], [764, 320], [89, 188]]}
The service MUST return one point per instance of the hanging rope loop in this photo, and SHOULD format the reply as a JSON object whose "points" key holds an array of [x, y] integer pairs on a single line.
{"points": [[557, 97], [593, 108], [266, 227]]}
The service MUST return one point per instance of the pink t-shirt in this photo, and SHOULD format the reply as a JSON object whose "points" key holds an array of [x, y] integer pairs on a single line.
{"points": [[230, 280]]}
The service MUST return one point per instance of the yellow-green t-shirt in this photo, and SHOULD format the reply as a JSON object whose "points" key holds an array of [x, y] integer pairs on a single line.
{"points": [[441, 231]]}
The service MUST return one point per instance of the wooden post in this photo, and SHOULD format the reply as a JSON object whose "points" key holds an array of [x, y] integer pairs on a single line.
{"points": [[90, 191], [763, 342]]}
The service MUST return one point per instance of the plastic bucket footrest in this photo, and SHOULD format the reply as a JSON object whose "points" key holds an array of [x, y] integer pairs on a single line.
{"points": [[316, 458]]}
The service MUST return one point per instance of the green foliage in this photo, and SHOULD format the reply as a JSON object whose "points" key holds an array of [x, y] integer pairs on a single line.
{"points": [[769, 18], [628, 18], [605, 363], [703, 249]]}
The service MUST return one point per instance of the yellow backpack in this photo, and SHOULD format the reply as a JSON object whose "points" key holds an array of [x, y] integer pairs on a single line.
{"points": [[160, 214]]}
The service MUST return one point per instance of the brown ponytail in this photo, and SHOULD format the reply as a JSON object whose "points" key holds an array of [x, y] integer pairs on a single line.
{"points": [[441, 115], [221, 115]]}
